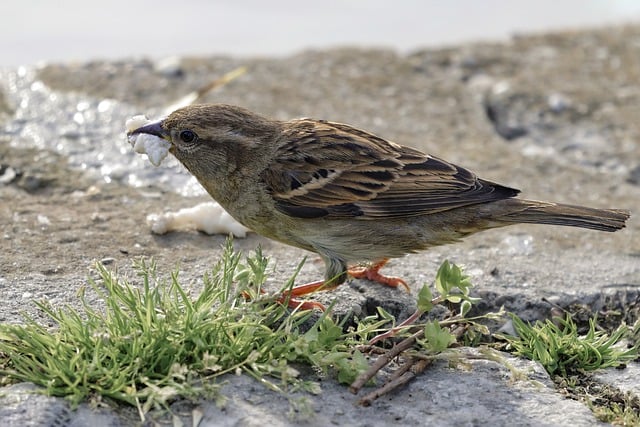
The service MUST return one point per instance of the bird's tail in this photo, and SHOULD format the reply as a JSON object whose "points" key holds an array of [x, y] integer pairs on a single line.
{"points": [[534, 212]]}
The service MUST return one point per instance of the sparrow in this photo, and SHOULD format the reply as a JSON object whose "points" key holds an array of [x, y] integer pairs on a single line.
{"points": [[344, 193]]}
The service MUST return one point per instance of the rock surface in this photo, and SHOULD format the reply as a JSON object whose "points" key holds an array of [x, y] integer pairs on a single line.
{"points": [[555, 115]]}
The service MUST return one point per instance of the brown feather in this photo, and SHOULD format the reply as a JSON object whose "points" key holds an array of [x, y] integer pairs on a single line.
{"points": [[333, 170]]}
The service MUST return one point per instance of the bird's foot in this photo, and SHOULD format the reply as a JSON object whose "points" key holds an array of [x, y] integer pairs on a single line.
{"points": [[296, 304], [288, 297], [372, 273]]}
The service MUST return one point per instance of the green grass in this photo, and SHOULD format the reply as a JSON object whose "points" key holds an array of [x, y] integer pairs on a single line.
{"points": [[570, 358], [152, 342], [562, 351]]}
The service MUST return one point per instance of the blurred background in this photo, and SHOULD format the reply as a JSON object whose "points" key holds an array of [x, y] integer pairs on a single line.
{"points": [[38, 30]]}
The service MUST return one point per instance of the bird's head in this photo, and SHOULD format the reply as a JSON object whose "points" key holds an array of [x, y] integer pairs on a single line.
{"points": [[214, 140]]}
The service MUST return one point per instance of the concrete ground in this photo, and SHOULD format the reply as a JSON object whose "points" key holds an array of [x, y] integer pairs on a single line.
{"points": [[554, 115]]}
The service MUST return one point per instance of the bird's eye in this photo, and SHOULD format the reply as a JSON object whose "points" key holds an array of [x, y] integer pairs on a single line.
{"points": [[188, 136]]}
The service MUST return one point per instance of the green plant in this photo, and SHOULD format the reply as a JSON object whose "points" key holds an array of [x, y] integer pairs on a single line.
{"points": [[559, 348], [154, 343]]}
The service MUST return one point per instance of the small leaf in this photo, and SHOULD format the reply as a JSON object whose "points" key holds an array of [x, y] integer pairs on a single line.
{"points": [[350, 369], [455, 299], [473, 300], [436, 338], [465, 307], [442, 278], [424, 299]]}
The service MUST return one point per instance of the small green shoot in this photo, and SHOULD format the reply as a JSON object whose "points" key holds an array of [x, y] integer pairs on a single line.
{"points": [[454, 287], [437, 339], [561, 351]]}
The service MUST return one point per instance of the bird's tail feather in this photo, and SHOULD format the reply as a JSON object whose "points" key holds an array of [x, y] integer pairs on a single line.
{"points": [[530, 211]]}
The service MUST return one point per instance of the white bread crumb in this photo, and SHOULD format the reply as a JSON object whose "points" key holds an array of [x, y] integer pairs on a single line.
{"points": [[207, 217]]}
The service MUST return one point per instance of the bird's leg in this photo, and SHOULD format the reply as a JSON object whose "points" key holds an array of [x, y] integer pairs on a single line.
{"points": [[300, 305], [289, 296], [372, 273]]}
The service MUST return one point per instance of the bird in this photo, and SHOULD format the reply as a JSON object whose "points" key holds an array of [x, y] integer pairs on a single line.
{"points": [[346, 194]]}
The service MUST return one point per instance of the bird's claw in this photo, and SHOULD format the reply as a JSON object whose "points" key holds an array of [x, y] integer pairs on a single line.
{"points": [[373, 273]]}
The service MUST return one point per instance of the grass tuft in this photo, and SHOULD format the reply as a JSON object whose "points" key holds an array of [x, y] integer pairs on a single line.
{"points": [[559, 347], [154, 343]]}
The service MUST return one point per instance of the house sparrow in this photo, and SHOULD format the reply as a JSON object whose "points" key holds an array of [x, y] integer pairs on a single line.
{"points": [[344, 193]]}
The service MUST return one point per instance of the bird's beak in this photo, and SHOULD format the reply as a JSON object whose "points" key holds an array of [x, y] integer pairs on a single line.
{"points": [[153, 128]]}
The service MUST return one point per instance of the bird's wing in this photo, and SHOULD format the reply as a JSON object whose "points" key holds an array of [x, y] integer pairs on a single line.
{"points": [[333, 170]]}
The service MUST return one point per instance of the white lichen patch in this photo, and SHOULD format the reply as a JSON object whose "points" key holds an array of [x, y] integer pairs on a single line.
{"points": [[154, 147], [207, 217]]}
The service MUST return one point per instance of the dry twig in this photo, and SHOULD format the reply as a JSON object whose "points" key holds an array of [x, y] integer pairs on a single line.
{"points": [[384, 360], [409, 371]]}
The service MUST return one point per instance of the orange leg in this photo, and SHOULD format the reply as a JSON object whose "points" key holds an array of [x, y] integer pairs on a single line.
{"points": [[372, 273], [288, 297], [307, 288]]}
